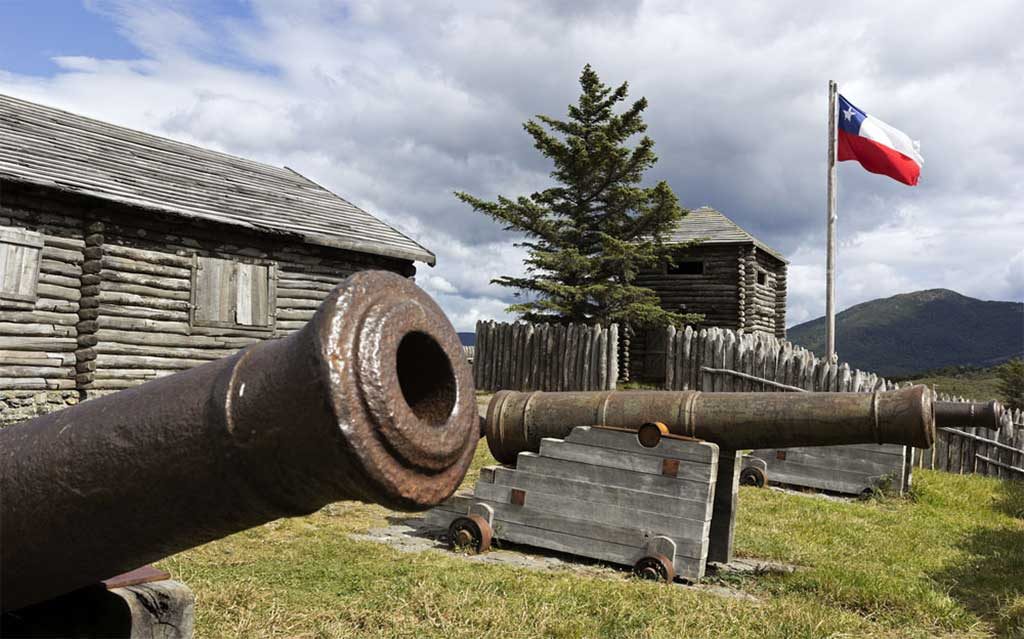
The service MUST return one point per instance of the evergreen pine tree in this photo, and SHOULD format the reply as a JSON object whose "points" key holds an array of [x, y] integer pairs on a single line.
{"points": [[589, 235]]}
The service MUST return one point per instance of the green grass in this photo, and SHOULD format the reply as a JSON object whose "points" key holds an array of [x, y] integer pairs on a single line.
{"points": [[948, 561], [978, 384]]}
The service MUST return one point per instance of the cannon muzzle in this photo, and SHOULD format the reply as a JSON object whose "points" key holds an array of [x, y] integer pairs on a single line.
{"points": [[968, 415], [372, 400], [516, 422]]}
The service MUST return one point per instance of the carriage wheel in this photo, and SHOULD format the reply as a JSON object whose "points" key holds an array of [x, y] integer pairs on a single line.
{"points": [[753, 477], [655, 568], [471, 532]]}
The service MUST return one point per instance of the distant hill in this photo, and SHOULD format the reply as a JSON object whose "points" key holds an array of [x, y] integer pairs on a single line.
{"points": [[925, 330], [468, 339]]}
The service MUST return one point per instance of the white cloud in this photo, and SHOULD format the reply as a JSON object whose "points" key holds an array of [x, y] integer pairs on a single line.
{"points": [[394, 105]]}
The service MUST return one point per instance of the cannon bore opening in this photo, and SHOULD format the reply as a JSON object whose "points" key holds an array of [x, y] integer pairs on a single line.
{"points": [[426, 378]]}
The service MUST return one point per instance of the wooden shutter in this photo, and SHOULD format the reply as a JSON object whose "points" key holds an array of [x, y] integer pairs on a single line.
{"points": [[20, 252], [214, 291], [253, 302]]}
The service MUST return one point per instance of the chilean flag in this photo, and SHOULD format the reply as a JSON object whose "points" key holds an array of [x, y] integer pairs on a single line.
{"points": [[878, 147]]}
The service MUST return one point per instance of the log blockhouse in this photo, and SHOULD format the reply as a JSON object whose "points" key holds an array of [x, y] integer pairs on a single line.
{"points": [[732, 278], [125, 256]]}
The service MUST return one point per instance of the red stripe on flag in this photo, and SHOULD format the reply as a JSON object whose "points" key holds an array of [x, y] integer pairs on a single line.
{"points": [[878, 158]]}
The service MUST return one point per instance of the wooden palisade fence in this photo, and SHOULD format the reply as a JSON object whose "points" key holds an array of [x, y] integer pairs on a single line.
{"points": [[715, 359], [978, 450], [562, 357], [549, 357]]}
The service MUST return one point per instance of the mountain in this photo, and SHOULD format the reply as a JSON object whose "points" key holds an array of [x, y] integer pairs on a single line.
{"points": [[924, 330], [468, 339]]}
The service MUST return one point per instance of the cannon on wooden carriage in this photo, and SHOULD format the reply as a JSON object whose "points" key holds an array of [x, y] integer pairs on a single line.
{"points": [[650, 478], [371, 400]]}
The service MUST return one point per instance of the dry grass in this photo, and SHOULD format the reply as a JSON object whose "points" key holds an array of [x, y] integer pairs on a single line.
{"points": [[948, 561]]}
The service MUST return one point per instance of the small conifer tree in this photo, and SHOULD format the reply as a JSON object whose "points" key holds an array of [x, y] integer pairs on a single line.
{"points": [[590, 235]]}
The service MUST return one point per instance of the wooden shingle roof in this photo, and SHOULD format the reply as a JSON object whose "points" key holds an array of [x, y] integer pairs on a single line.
{"points": [[712, 227], [46, 146]]}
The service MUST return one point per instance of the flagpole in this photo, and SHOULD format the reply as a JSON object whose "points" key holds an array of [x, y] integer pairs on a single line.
{"points": [[830, 268]]}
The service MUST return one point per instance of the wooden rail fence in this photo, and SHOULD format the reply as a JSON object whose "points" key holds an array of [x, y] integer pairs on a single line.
{"points": [[561, 357], [549, 357]]}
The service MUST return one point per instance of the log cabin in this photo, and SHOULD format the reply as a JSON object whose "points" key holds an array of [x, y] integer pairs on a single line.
{"points": [[126, 256], [722, 272]]}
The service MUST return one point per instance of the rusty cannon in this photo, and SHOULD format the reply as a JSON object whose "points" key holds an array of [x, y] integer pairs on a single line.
{"points": [[372, 401], [650, 478]]}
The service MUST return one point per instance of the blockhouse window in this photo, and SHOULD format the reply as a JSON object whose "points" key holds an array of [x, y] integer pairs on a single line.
{"points": [[762, 277], [687, 267], [232, 294], [20, 253]]}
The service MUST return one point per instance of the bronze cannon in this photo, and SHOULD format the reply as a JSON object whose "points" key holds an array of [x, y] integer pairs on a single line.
{"points": [[517, 421], [372, 400], [581, 458]]}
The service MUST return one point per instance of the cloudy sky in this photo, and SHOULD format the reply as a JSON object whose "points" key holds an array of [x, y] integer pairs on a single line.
{"points": [[394, 105]]}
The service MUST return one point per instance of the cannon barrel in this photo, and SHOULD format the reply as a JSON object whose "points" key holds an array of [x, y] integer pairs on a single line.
{"points": [[968, 415], [372, 400], [516, 421]]}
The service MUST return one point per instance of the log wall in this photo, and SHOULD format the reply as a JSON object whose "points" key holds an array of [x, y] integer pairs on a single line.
{"points": [[38, 339], [115, 296], [727, 294]]}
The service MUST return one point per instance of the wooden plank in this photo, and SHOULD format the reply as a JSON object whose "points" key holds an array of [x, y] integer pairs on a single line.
{"points": [[64, 269], [686, 567], [21, 237], [796, 475], [580, 471], [613, 356], [37, 330], [563, 507], [725, 494], [829, 458], [32, 358], [143, 312], [204, 352], [146, 256], [477, 384], [38, 317], [146, 291], [484, 354], [45, 344], [569, 361], [44, 372], [670, 357], [690, 451], [633, 462], [54, 254], [147, 280], [941, 455], [583, 491], [244, 295], [145, 325], [146, 362], [211, 286], [112, 263], [146, 301]]}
